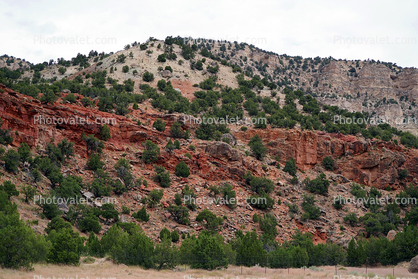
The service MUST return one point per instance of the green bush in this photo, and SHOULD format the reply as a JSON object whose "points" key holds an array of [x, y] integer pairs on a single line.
{"points": [[162, 176], [290, 167], [147, 77], [94, 162], [328, 163], [125, 69], [155, 197], [318, 185], [11, 161], [180, 214], [151, 152], [105, 133], [257, 147], [141, 215], [176, 131], [182, 170], [159, 125]]}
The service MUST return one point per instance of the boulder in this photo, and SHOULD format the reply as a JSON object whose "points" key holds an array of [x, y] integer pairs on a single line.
{"points": [[413, 266], [166, 74], [391, 235], [223, 151]]}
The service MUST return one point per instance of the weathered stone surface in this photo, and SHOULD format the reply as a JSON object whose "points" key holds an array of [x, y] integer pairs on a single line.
{"points": [[224, 151], [413, 265]]}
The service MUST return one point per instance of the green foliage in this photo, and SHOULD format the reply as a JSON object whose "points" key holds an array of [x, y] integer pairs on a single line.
{"points": [[94, 163], [151, 152], [182, 170], [165, 234], [318, 185], [105, 133], [328, 163], [155, 197], [257, 147], [89, 223], [162, 176], [311, 211], [209, 252], [268, 226], [259, 184], [11, 161], [29, 192], [109, 212], [159, 125], [148, 77], [141, 215], [180, 214], [229, 195], [123, 170], [24, 152], [403, 174], [290, 167], [176, 131], [64, 248], [212, 223], [9, 188], [250, 252], [351, 218]]}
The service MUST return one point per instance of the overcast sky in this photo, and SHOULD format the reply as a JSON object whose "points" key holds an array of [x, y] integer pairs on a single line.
{"points": [[41, 30]]}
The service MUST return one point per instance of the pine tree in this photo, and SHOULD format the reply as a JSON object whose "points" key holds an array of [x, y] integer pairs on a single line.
{"points": [[105, 133], [290, 167]]}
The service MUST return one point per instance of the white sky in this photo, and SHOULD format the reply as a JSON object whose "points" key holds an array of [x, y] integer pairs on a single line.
{"points": [[382, 30]]}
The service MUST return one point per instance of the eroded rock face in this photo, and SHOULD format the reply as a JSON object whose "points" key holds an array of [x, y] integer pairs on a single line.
{"points": [[366, 162], [413, 266]]}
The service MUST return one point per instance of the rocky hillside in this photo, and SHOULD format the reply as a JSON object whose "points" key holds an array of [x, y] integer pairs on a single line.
{"points": [[360, 86]]}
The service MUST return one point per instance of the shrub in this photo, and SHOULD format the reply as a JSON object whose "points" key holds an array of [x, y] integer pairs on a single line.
{"points": [[229, 195], [70, 98], [257, 147], [290, 167], [90, 223], [165, 234], [328, 163], [155, 197], [9, 188], [94, 163], [147, 77], [175, 236], [11, 161], [182, 170], [351, 218], [403, 174], [318, 185], [159, 125], [180, 214], [141, 215], [162, 58], [176, 131], [162, 176], [212, 223], [125, 69], [151, 152], [105, 133], [311, 211]]}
